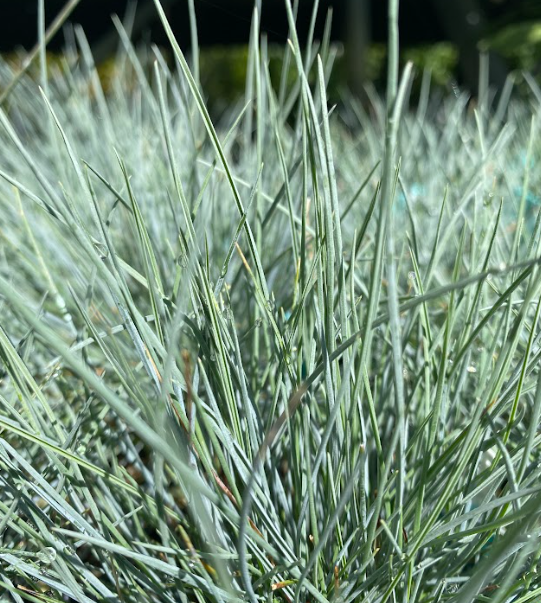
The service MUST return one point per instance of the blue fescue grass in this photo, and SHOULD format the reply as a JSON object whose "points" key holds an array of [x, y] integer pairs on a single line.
{"points": [[290, 356]]}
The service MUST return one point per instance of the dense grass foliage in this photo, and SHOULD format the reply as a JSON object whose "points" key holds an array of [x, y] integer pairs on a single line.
{"points": [[236, 367]]}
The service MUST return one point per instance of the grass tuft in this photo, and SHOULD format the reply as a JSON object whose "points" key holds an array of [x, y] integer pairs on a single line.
{"points": [[291, 356]]}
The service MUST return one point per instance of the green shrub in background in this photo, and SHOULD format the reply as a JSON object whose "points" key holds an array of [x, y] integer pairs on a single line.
{"points": [[224, 69], [224, 72], [441, 60], [293, 356], [519, 43]]}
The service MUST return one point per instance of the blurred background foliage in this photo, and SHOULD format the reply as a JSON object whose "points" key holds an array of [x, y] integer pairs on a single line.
{"points": [[519, 43], [439, 35], [223, 71]]}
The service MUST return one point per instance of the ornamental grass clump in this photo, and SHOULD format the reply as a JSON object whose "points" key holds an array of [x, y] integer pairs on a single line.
{"points": [[292, 356]]}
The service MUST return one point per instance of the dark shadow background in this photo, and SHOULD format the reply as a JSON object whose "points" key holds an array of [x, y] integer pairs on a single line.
{"points": [[228, 21], [357, 23]]}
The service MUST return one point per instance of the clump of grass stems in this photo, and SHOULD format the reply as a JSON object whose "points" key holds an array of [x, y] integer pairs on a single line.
{"points": [[293, 356]]}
